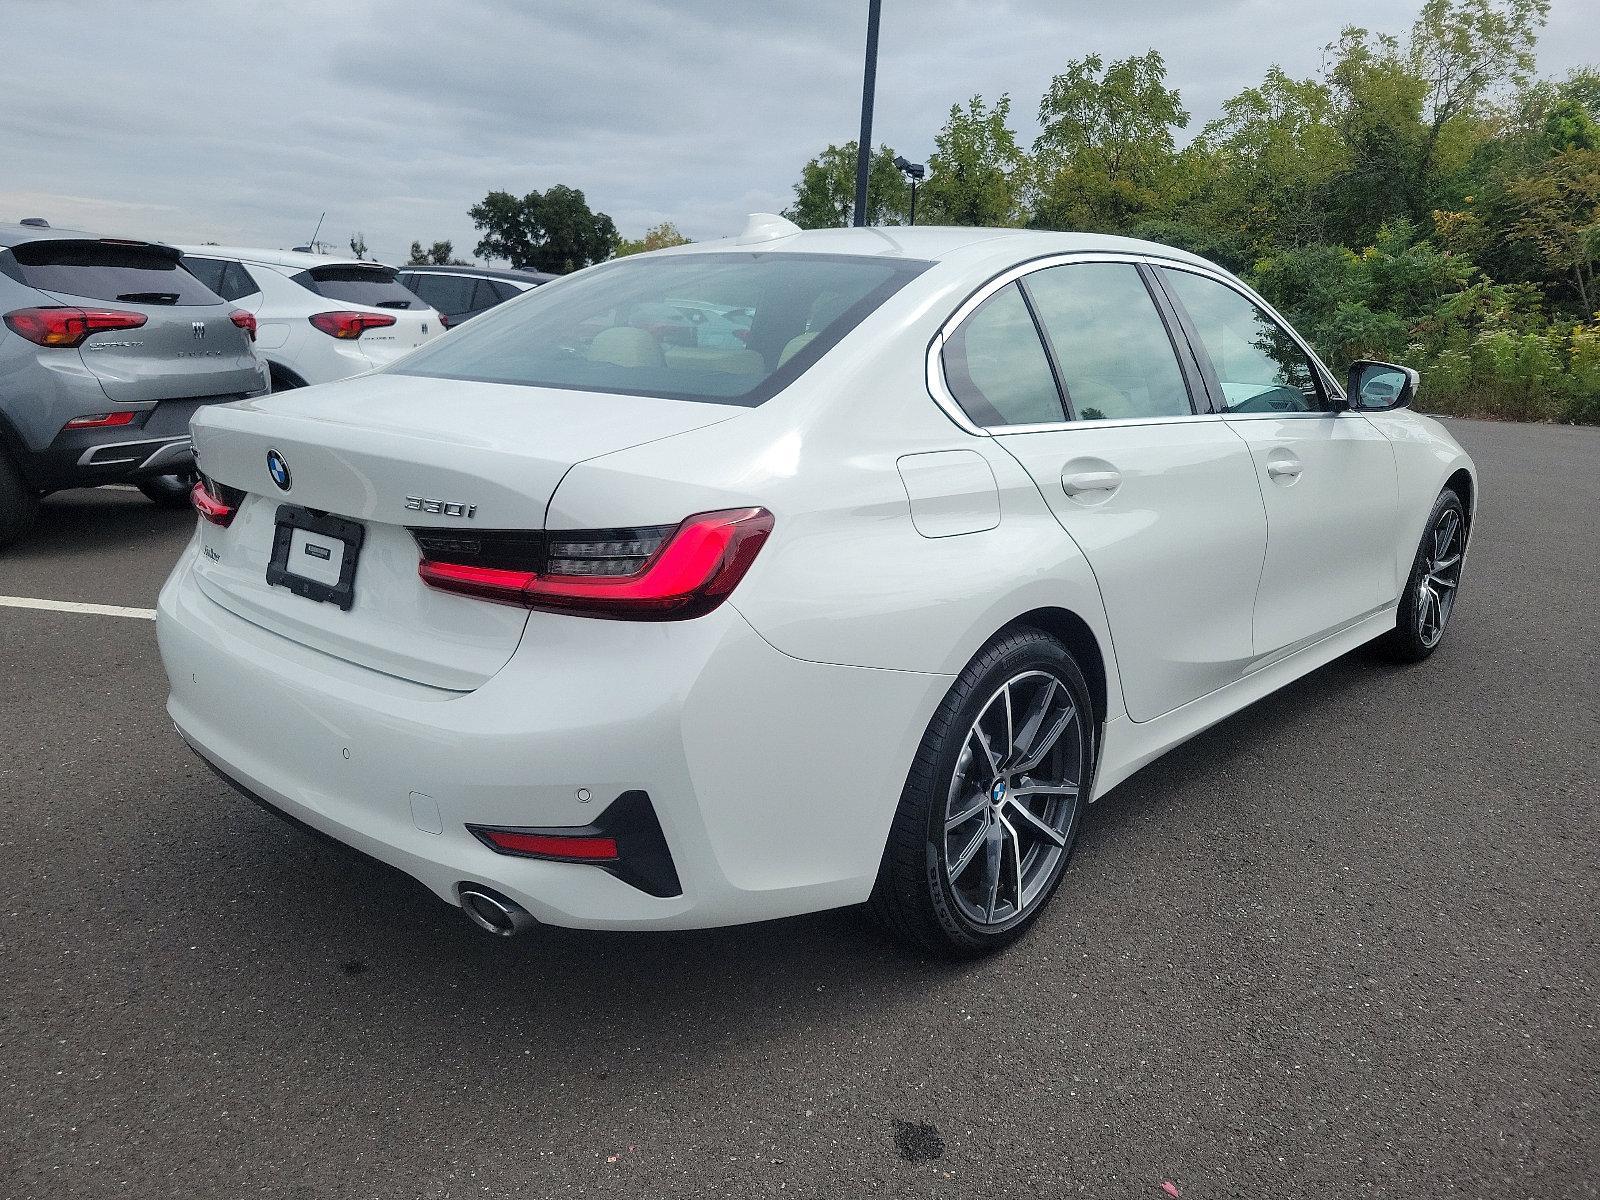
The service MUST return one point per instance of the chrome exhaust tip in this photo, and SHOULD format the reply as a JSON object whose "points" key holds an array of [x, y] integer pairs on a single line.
{"points": [[492, 912]]}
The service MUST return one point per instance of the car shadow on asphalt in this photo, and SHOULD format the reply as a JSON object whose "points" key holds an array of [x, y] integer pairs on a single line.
{"points": [[77, 523]]}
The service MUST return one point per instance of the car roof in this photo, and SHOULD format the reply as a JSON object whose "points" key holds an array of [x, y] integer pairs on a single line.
{"points": [[15, 235], [933, 243], [485, 272], [297, 260]]}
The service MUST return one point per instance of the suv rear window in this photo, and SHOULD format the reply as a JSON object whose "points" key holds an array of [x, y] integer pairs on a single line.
{"points": [[651, 326], [96, 270], [376, 287]]}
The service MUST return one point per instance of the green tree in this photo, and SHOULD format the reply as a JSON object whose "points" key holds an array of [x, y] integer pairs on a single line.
{"points": [[825, 197], [1269, 162], [657, 237], [358, 245], [1105, 150], [978, 175], [551, 231], [438, 254], [1557, 212]]}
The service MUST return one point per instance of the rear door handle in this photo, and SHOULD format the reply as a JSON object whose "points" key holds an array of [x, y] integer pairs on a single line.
{"points": [[1077, 483]]}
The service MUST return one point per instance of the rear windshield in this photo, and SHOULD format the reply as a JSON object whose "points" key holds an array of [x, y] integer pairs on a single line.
{"points": [[728, 328], [94, 270], [376, 287]]}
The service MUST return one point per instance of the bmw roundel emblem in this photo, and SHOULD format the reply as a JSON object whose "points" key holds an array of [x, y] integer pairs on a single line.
{"points": [[279, 470], [998, 792]]}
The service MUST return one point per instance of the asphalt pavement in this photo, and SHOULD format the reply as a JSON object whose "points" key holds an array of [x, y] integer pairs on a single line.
{"points": [[1344, 944]]}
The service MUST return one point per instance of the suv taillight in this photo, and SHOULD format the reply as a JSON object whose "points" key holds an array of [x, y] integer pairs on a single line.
{"points": [[657, 573], [245, 321], [67, 327], [347, 326]]}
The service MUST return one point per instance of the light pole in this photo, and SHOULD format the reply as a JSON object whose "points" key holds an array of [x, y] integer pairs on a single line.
{"points": [[914, 172], [869, 82]]}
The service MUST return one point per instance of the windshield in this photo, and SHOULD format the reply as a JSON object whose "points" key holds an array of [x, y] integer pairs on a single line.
{"points": [[729, 328]]}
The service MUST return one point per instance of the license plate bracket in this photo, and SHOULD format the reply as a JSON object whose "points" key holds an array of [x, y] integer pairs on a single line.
{"points": [[318, 536]]}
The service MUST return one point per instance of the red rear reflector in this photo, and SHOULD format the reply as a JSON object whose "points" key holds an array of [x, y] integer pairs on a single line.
{"points": [[218, 512], [689, 575], [347, 326], [101, 421], [67, 327], [245, 321], [551, 845]]}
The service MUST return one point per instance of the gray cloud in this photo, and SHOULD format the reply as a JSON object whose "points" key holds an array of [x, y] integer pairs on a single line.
{"points": [[243, 122]]}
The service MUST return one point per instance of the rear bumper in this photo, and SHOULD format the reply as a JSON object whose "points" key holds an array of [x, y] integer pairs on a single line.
{"points": [[156, 443], [774, 780]]}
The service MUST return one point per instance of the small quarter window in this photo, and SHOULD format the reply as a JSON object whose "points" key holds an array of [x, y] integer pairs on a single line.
{"points": [[996, 368]]}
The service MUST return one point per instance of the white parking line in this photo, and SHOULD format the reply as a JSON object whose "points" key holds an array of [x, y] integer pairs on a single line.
{"points": [[71, 606]]}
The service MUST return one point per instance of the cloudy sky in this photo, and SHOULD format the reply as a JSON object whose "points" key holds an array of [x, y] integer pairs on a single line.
{"points": [[240, 122]]}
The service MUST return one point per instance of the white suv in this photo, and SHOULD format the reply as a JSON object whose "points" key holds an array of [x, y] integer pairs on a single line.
{"points": [[318, 319]]}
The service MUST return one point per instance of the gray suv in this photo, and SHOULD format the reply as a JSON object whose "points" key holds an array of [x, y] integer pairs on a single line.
{"points": [[107, 346]]}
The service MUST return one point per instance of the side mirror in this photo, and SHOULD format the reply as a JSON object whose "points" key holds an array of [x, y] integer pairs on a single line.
{"points": [[1380, 386]]}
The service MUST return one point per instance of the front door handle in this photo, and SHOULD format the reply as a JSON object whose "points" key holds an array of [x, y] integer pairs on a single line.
{"points": [[1287, 468], [1078, 483]]}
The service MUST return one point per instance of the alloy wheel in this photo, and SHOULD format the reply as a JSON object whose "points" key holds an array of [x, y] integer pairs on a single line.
{"points": [[1013, 798], [1439, 576]]}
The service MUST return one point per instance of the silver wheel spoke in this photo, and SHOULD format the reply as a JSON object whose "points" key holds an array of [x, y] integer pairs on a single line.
{"points": [[1445, 564], [994, 841], [1016, 865], [1440, 582], [973, 807], [1068, 790], [1047, 743], [970, 851], [1011, 730], [983, 743], [1030, 726], [1038, 823]]}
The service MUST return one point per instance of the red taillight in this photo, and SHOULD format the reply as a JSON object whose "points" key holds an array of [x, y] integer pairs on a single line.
{"points": [[348, 326], [444, 321], [550, 845], [631, 574], [67, 327], [245, 321], [212, 508], [101, 421]]}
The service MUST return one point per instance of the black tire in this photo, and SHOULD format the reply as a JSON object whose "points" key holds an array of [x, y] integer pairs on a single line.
{"points": [[915, 898], [1430, 595], [168, 491], [19, 503]]}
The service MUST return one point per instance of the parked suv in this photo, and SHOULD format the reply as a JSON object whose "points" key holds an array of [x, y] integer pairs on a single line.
{"points": [[460, 292], [317, 318], [107, 346]]}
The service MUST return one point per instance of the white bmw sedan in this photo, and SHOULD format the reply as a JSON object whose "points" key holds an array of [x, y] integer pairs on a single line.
{"points": [[579, 621]]}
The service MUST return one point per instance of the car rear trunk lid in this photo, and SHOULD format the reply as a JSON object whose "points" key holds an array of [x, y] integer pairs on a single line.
{"points": [[393, 453]]}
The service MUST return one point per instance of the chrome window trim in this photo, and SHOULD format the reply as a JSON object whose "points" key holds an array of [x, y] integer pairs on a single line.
{"points": [[940, 391]]}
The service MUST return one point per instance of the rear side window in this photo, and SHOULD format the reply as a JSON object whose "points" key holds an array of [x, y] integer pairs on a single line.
{"points": [[1259, 366], [376, 287], [629, 326], [227, 279], [996, 367], [106, 271], [1110, 344], [447, 293]]}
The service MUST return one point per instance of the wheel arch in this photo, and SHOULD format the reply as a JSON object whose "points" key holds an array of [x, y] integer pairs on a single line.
{"points": [[1078, 637], [1465, 488], [291, 379]]}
